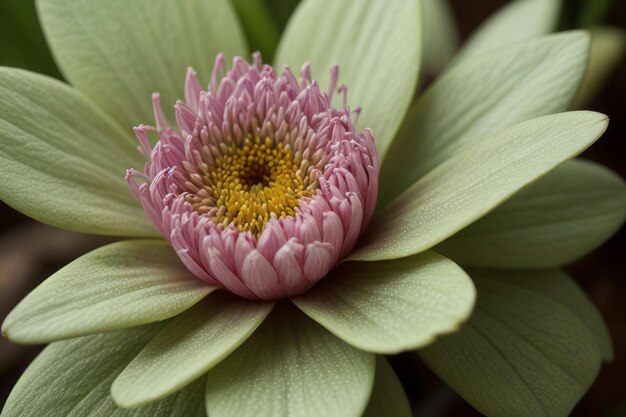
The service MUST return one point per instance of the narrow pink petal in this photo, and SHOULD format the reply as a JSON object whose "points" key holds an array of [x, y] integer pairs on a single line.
{"points": [[317, 260], [333, 233], [217, 67], [354, 224], [243, 247], [161, 121], [185, 118], [309, 230], [192, 90], [372, 193], [288, 264], [141, 133], [259, 275], [194, 268], [334, 76], [225, 276], [272, 239]]}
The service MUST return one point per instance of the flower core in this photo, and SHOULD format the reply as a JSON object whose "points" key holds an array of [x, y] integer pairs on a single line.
{"points": [[252, 182], [263, 186]]}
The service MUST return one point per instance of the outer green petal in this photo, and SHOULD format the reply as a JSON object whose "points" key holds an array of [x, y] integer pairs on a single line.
{"points": [[63, 161], [291, 367], [518, 20], [72, 379], [481, 97], [522, 353], [555, 221], [441, 37], [608, 45], [116, 286], [377, 45], [388, 398], [188, 347], [391, 306], [561, 288], [119, 52], [475, 181]]}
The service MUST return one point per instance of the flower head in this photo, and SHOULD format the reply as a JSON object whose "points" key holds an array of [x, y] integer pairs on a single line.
{"points": [[263, 186]]}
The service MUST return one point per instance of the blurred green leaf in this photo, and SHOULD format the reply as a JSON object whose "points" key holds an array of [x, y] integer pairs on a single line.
{"points": [[259, 26], [584, 13], [516, 21], [441, 37], [594, 12], [608, 47], [22, 43], [281, 11], [388, 398]]}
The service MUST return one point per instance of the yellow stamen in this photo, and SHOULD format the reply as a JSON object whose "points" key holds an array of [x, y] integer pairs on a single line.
{"points": [[251, 183]]}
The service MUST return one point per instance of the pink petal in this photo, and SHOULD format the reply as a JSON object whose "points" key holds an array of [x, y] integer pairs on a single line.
{"points": [[318, 260], [259, 275], [288, 263]]}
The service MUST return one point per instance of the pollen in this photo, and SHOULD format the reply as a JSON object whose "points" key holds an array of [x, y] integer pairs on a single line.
{"points": [[249, 184]]}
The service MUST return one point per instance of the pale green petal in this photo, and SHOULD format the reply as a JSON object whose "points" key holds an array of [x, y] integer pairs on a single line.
{"points": [[559, 287], [516, 21], [388, 398], [120, 285], [392, 306], [63, 161], [560, 218], [119, 52], [481, 97], [188, 347], [72, 379], [377, 45], [522, 353], [608, 45], [475, 181], [441, 37], [291, 367]]}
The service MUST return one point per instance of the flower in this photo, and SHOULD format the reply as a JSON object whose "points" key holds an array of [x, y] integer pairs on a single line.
{"points": [[263, 186], [477, 169]]}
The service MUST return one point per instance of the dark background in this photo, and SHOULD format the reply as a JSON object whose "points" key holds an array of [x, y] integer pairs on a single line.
{"points": [[29, 251]]}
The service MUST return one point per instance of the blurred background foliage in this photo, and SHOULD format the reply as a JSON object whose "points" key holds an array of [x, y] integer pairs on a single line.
{"points": [[585, 13], [23, 44], [29, 252], [21, 40]]}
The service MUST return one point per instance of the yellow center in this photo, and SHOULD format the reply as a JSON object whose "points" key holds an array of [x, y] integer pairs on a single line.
{"points": [[251, 183]]}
